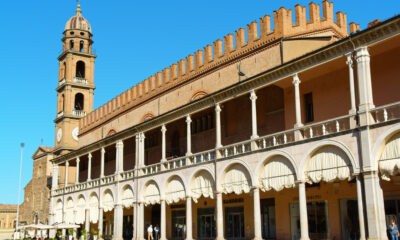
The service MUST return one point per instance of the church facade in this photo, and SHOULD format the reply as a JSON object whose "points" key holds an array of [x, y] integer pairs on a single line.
{"points": [[290, 131]]}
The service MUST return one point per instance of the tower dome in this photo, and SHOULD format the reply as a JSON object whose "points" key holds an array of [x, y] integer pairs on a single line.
{"points": [[78, 22]]}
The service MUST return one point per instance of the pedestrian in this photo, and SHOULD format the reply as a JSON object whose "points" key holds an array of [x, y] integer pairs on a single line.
{"points": [[393, 230], [157, 231], [150, 232]]}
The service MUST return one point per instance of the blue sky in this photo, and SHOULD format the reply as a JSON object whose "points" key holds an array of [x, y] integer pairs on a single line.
{"points": [[133, 40]]}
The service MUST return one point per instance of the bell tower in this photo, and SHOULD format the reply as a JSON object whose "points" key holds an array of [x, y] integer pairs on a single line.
{"points": [[75, 87]]}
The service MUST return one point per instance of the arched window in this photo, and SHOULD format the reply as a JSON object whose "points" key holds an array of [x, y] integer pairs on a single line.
{"points": [[78, 106], [65, 70], [71, 45], [80, 69], [81, 46], [61, 104]]}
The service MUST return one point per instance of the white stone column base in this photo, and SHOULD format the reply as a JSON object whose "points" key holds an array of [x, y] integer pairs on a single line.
{"points": [[220, 238]]}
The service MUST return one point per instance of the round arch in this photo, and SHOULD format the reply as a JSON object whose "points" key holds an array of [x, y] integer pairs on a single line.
{"points": [[236, 178], [389, 160], [151, 193], [127, 196], [107, 201], [197, 95], [69, 211], [277, 172], [202, 183], [80, 210], [174, 189], [381, 142], [58, 211], [93, 208]]}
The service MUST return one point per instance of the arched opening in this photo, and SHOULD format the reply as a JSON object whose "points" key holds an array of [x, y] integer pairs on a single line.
{"points": [[80, 70], [81, 46], [65, 70], [71, 45], [79, 101]]}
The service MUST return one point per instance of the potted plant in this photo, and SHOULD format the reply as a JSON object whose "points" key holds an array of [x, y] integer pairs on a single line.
{"points": [[83, 234], [95, 232]]}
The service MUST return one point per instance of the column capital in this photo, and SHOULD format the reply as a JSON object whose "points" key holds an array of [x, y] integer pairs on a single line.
{"points": [[67, 163], [90, 155], [103, 150], [296, 80], [349, 60], [78, 159], [253, 95], [163, 128], [188, 119], [217, 107], [119, 144], [362, 52]]}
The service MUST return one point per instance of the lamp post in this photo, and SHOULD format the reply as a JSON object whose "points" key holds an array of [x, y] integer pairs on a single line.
{"points": [[19, 186]]}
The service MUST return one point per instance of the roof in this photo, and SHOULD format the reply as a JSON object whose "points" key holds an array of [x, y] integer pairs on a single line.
{"points": [[78, 22], [8, 207]]}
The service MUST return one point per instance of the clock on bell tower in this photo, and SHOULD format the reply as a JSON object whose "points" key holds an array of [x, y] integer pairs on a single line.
{"points": [[75, 82]]}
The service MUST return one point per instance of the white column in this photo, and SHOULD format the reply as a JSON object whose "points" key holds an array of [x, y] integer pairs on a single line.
{"points": [[137, 150], [118, 222], [364, 79], [77, 171], [134, 227], [349, 62], [87, 221], [257, 215], [303, 211], [188, 136], [102, 152], [253, 99], [220, 217], [142, 149], [141, 221], [163, 144], [89, 167], [54, 184], [119, 157], [66, 174], [296, 82], [189, 235], [218, 125], [163, 221], [360, 208], [100, 223]]}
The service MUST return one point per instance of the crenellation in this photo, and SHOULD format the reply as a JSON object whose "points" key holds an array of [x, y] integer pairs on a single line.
{"points": [[198, 60], [189, 64], [159, 81], [207, 54], [327, 10], [252, 32], [313, 9], [240, 38], [219, 52], [228, 44], [217, 48], [301, 16], [265, 25]]}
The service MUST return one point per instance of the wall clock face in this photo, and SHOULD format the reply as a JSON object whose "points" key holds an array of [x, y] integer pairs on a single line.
{"points": [[59, 135], [75, 132]]}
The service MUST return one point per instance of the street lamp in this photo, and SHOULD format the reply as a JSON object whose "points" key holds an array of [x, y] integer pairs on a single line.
{"points": [[19, 187]]}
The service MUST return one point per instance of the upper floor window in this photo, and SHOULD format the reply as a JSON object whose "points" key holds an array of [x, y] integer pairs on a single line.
{"points": [[71, 45], [309, 108], [79, 101], [81, 46], [80, 69]]}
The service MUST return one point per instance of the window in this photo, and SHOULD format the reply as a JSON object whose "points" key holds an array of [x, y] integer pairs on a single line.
{"points": [[81, 46], [71, 45], [78, 102], [309, 108], [80, 70]]}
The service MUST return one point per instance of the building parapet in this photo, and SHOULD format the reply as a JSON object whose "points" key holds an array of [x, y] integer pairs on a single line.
{"points": [[221, 52]]}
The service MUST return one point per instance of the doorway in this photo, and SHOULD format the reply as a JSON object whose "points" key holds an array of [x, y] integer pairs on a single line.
{"points": [[268, 218], [206, 223], [234, 224], [178, 224]]}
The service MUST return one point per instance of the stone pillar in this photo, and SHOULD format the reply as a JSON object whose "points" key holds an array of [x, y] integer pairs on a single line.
{"points": [[220, 217], [134, 227], [101, 224], [189, 235], [163, 144], [141, 149], [218, 143], [188, 136], [374, 206], [89, 167], [102, 152], [303, 211], [163, 227], [77, 171], [253, 99], [296, 82], [141, 221], [349, 62], [118, 222], [54, 184], [87, 222], [119, 158], [257, 215], [66, 174], [137, 150], [364, 80], [360, 208]]}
